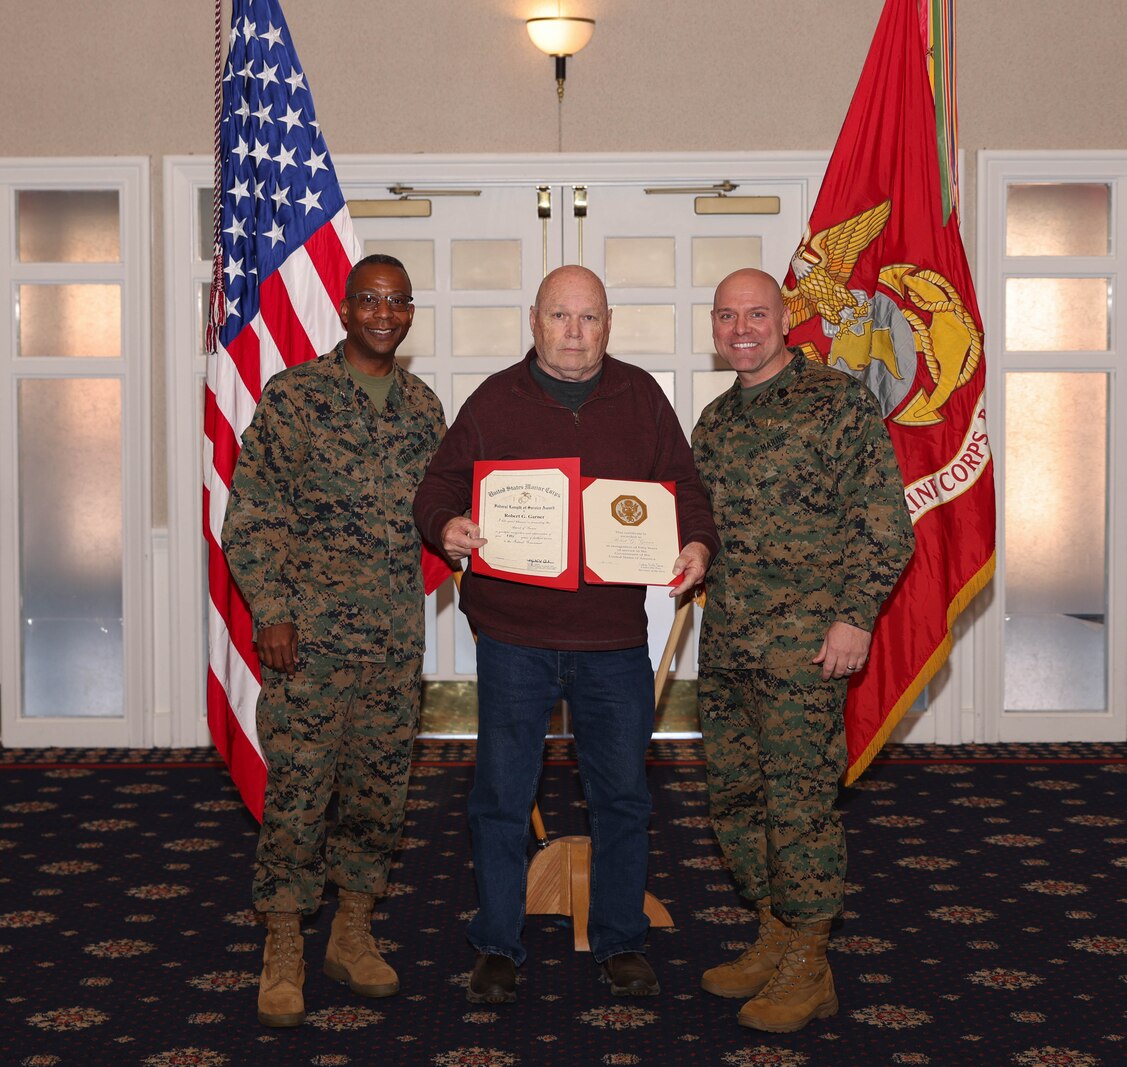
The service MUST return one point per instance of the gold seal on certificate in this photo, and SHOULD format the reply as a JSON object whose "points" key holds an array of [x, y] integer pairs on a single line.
{"points": [[629, 531], [629, 510]]}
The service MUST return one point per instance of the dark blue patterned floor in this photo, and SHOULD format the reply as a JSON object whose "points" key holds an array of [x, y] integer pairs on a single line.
{"points": [[986, 923]]}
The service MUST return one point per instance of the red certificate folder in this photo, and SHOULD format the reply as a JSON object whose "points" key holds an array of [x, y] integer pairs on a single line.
{"points": [[529, 511], [630, 532]]}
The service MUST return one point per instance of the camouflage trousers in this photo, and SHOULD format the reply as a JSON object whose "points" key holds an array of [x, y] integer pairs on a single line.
{"points": [[340, 725], [775, 748]]}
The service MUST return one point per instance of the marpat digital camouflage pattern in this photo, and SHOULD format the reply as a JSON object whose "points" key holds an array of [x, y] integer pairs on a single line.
{"points": [[808, 500], [788, 723], [807, 496], [319, 532], [300, 724], [318, 529]]}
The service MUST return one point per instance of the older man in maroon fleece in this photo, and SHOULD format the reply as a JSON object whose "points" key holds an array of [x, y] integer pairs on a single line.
{"points": [[537, 645]]}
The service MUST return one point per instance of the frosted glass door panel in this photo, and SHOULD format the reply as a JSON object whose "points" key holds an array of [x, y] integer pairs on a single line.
{"points": [[205, 222], [68, 226], [70, 320], [702, 330], [420, 339], [416, 256], [707, 386], [640, 262], [714, 258], [1056, 543], [463, 387], [1057, 314], [485, 264], [1058, 219], [71, 547], [486, 331]]}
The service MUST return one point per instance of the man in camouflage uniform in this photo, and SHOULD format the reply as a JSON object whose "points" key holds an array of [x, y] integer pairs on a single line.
{"points": [[319, 536], [807, 496]]}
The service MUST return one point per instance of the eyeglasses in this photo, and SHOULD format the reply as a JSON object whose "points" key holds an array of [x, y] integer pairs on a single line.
{"points": [[370, 301]]}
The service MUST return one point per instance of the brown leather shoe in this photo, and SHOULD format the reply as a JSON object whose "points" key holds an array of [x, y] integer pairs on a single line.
{"points": [[630, 975], [494, 980]]}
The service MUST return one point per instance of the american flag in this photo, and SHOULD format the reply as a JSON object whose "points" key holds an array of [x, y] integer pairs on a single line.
{"points": [[284, 246]]}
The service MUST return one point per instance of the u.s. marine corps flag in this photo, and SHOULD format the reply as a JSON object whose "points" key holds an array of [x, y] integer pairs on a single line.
{"points": [[880, 288]]}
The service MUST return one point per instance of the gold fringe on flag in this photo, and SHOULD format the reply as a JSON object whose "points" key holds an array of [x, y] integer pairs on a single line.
{"points": [[965, 595]]}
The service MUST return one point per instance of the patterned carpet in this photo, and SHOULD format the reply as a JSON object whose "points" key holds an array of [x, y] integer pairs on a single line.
{"points": [[985, 922]]}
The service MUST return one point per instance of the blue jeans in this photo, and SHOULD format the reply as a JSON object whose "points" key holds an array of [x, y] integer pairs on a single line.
{"points": [[611, 699]]}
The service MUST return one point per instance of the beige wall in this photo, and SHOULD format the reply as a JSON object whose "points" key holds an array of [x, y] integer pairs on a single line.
{"points": [[135, 78]]}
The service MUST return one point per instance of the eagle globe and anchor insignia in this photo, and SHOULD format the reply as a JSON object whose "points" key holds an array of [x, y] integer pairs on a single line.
{"points": [[628, 510], [879, 336]]}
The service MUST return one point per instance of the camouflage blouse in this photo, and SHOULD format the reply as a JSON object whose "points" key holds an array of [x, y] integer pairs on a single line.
{"points": [[318, 529], [808, 499]]}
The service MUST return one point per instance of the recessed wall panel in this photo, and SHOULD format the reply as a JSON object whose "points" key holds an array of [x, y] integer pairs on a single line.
{"points": [[489, 331], [643, 329], [714, 258], [640, 262]]}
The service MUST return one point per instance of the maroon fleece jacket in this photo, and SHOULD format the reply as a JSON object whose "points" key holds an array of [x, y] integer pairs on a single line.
{"points": [[625, 429]]}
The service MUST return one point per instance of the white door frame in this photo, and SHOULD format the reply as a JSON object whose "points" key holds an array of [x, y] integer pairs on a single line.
{"points": [[996, 170], [129, 176]]}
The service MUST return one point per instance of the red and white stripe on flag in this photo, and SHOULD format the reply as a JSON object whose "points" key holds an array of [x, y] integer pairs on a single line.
{"points": [[286, 245]]}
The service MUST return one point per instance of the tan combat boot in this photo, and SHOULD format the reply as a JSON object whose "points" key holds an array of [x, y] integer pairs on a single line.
{"points": [[352, 955], [749, 973], [802, 987], [280, 1002]]}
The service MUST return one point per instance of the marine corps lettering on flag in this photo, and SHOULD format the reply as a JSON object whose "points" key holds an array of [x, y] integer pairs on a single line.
{"points": [[880, 288], [284, 246]]}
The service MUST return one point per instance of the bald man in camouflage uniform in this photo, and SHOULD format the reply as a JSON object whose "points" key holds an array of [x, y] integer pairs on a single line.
{"points": [[319, 536], [807, 496]]}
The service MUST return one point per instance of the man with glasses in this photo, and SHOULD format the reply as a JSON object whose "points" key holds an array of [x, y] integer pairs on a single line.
{"points": [[318, 533]]}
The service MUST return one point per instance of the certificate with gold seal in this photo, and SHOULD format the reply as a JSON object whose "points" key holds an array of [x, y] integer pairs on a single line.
{"points": [[630, 532], [528, 512]]}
